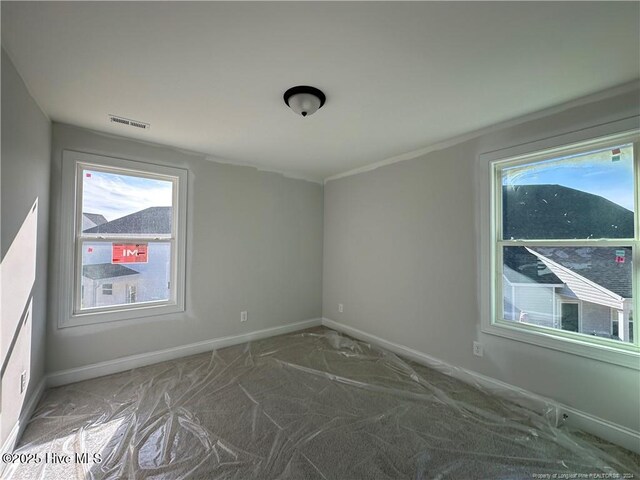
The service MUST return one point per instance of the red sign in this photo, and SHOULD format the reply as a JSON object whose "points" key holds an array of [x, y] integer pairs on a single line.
{"points": [[129, 253]]}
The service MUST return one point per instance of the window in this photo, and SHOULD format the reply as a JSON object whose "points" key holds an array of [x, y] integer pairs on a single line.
{"points": [[131, 294], [569, 317], [126, 237], [565, 240]]}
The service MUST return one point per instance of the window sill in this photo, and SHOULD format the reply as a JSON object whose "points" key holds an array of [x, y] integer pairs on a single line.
{"points": [[98, 317], [625, 357]]}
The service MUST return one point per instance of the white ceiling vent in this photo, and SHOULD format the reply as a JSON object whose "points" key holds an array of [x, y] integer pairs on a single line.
{"points": [[129, 122]]}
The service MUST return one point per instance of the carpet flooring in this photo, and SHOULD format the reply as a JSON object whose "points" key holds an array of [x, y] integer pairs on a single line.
{"points": [[309, 405]]}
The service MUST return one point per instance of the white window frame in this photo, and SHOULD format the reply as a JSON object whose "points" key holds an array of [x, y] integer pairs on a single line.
{"points": [[570, 302], [132, 291], [72, 239], [104, 288], [614, 319], [607, 350]]}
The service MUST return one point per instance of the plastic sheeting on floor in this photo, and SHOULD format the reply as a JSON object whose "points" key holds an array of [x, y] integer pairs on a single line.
{"points": [[311, 405]]}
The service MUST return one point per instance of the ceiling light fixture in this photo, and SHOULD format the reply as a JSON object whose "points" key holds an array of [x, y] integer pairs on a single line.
{"points": [[304, 100]]}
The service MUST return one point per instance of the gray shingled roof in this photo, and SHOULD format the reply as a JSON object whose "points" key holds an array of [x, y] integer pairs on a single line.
{"points": [[526, 268], [554, 211], [152, 220], [99, 271], [96, 218], [597, 264], [561, 212]]}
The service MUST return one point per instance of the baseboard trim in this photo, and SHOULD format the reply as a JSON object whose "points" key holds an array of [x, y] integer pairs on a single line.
{"points": [[101, 369], [553, 410], [25, 415], [613, 432]]}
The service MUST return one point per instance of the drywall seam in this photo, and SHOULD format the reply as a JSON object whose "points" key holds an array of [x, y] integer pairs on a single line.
{"points": [[109, 367], [17, 430], [26, 85], [618, 434], [450, 142], [200, 155]]}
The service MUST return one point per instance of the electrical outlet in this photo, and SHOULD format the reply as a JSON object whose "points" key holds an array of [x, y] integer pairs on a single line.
{"points": [[340, 308], [243, 316], [23, 381], [477, 349]]}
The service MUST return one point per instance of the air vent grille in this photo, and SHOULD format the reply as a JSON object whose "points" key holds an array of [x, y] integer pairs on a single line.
{"points": [[129, 122]]}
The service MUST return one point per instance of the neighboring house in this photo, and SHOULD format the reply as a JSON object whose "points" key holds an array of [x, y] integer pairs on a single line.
{"points": [[153, 277], [581, 289], [578, 289], [90, 220], [106, 284], [149, 220]]}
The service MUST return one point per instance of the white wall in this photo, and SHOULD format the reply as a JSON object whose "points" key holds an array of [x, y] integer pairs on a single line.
{"points": [[401, 252], [25, 160], [254, 243]]}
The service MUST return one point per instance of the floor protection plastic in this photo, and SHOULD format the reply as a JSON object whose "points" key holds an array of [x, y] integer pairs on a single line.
{"points": [[310, 405]]}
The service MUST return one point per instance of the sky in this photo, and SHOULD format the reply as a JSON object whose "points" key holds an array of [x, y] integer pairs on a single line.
{"points": [[594, 173], [114, 195]]}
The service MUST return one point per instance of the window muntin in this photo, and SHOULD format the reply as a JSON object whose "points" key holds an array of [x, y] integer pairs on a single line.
{"points": [[125, 239], [566, 233]]}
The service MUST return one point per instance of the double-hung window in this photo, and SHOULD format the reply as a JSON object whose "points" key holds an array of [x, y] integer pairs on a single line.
{"points": [[124, 241], [565, 243]]}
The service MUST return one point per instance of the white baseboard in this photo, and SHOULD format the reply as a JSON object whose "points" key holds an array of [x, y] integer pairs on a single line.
{"points": [[101, 369], [553, 410], [613, 432], [26, 413]]}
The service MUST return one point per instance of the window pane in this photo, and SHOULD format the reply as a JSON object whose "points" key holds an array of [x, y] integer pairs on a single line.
{"points": [[576, 197], [105, 283], [569, 319], [125, 205], [579, 289]]}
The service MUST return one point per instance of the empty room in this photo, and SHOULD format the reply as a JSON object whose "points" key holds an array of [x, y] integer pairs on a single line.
{"points": [[320, 240]]}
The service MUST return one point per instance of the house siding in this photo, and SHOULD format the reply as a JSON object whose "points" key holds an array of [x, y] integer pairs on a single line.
{"points": [[595, 318], [94, 296], [537, 302]]}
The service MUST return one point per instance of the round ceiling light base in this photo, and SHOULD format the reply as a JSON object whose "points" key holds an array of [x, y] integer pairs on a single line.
{"points": [[304, 100]]}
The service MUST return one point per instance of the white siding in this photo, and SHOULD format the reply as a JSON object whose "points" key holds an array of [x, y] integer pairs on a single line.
{"points": [[584, 289], [595, 318], [537, 302]]}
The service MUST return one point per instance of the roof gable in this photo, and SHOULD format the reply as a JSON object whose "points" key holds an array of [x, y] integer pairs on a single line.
{"points": [[152, 220], [100, 271], [95, 218]]}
